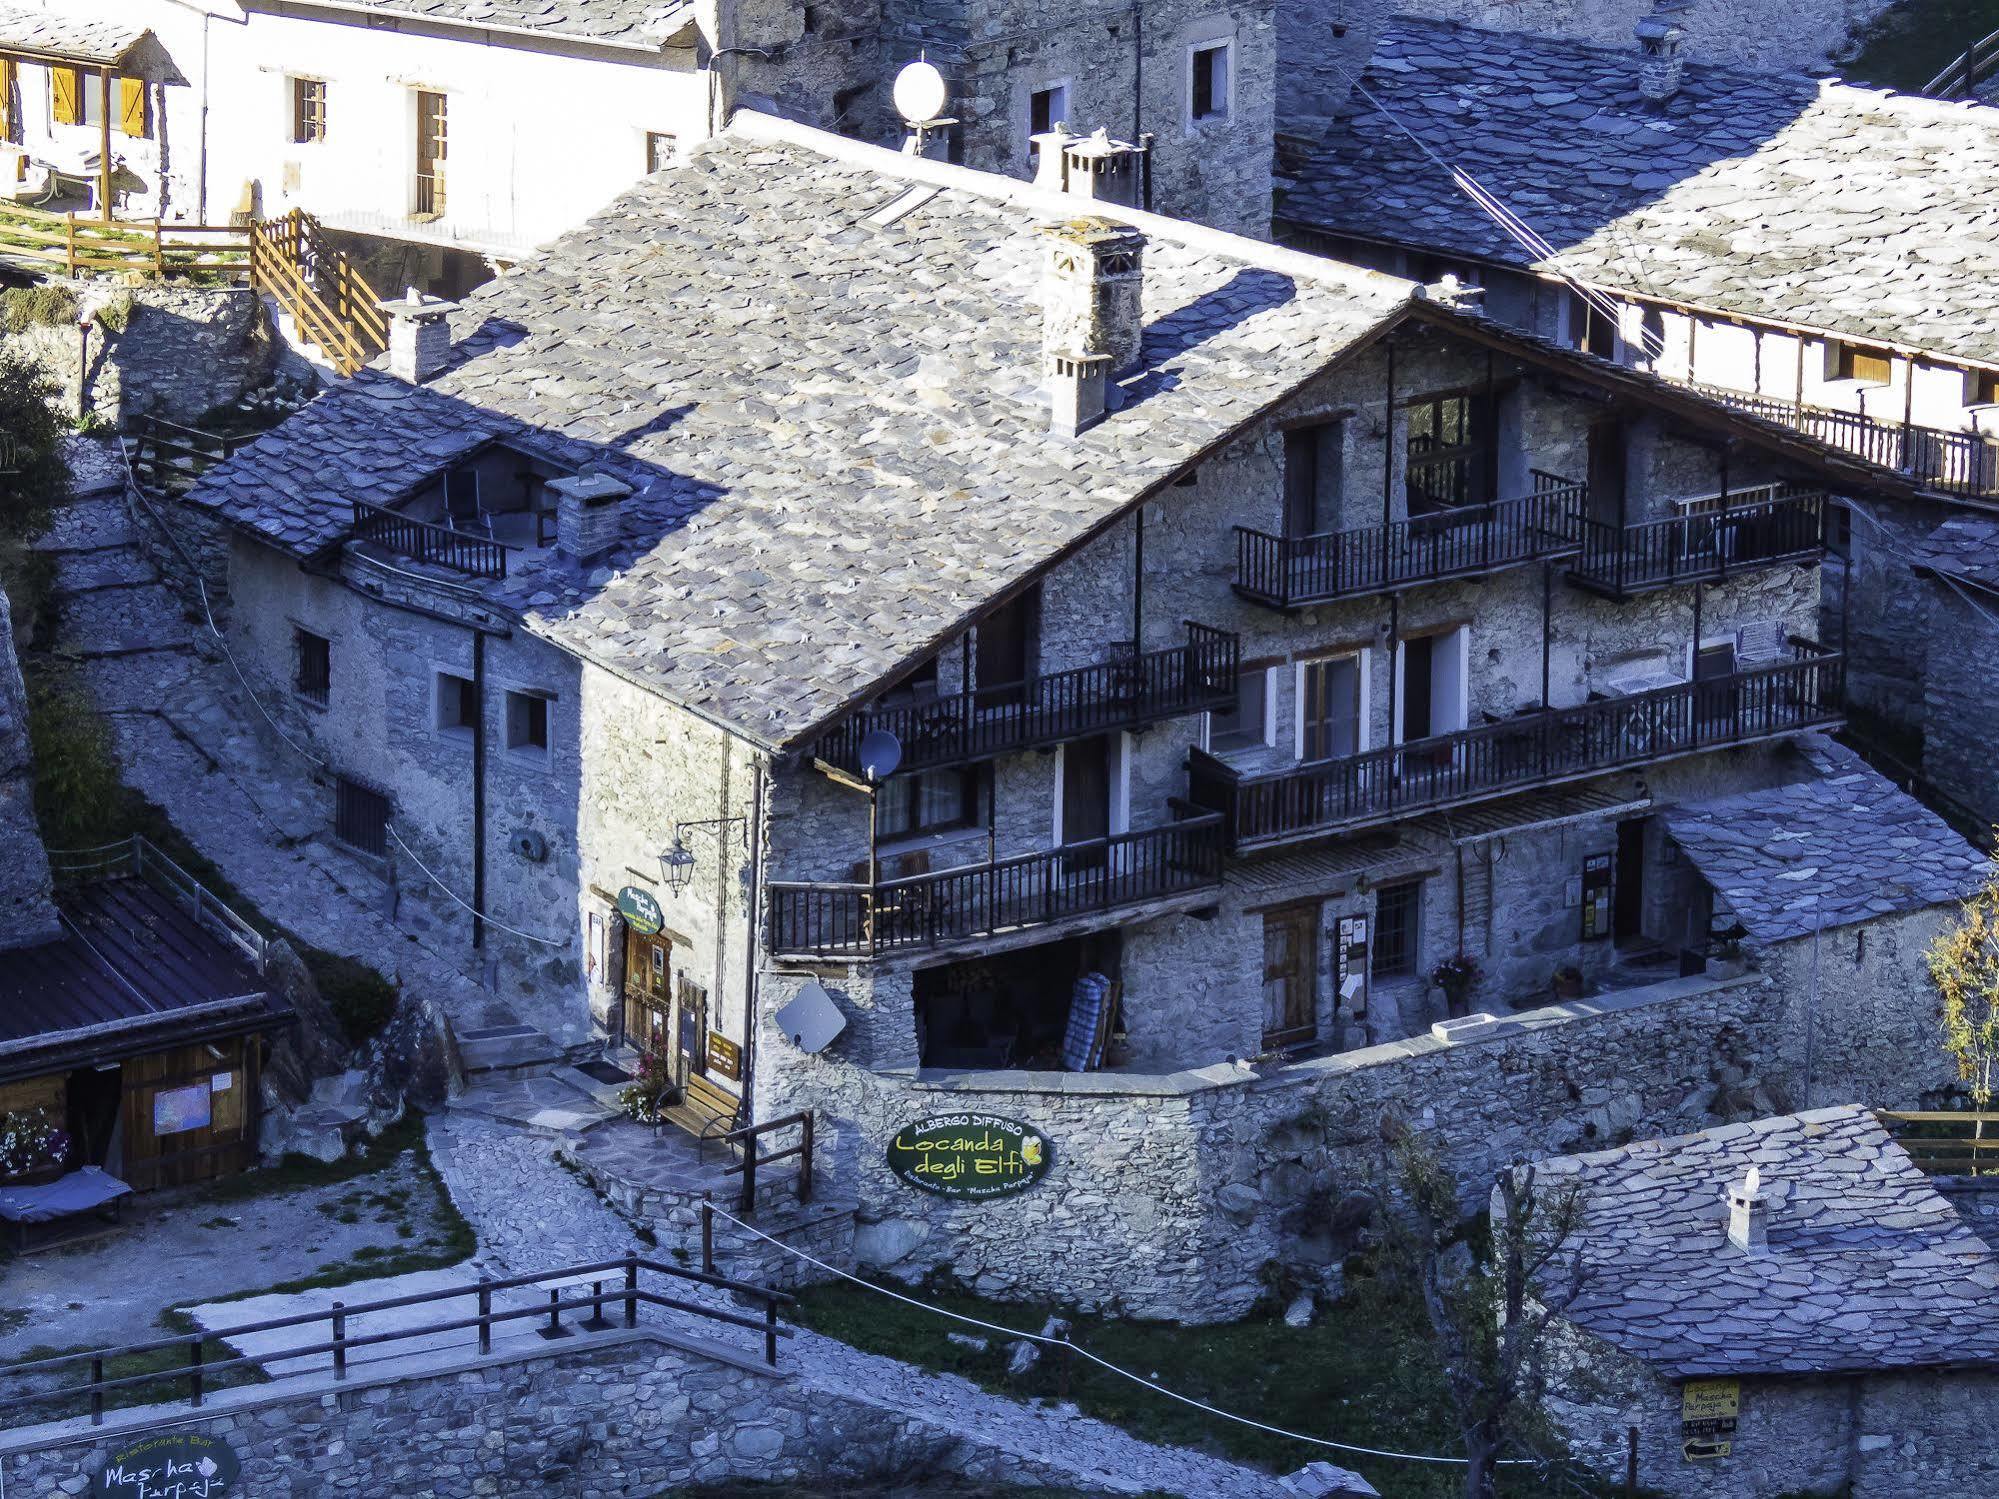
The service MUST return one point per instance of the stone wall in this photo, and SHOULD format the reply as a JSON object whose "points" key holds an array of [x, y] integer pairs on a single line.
{"points": [[1959, 689], [1187, 1194], [1319, 38], [27, 906], [627, 1414], [182, 349], [1885, 1435]]}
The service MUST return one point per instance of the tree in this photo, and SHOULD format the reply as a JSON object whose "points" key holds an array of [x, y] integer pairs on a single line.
{"points": [[1964, 965], [1490, 1320]]}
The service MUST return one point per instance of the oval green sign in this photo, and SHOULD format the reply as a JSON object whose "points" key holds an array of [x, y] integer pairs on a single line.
{"points": [[970, 1155], [640, 910], [178, 1465]]}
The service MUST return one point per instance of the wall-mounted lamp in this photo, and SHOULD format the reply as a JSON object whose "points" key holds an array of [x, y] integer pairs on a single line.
{"points": [[676, 865]]}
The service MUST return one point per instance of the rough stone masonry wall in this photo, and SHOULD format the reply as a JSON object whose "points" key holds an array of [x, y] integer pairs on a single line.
{"points": [[1960, 694], [1788, 34], [182, 351], [1879, 1436], [629, 1415], [1185, 1195]]}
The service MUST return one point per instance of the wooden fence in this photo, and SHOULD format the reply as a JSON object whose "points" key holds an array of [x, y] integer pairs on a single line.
{"points": [[1948, 1143], [62, 241]]}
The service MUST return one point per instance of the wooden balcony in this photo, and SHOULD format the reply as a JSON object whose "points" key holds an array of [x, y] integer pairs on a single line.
{"points": [[1772, 526], [1125, 692], [985, 900], [1291, 572], [1960, 463], [480, 556], [1537, 748]]}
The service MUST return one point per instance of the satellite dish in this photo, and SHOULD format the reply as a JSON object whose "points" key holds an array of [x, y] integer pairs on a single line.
{"points": [[881, 752], [920, 94]]}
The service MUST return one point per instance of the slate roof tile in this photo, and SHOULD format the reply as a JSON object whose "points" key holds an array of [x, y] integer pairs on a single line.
{"points": [[77, 33], [632, 22], [1867, 1267], [812, 509], [1775, 196]]}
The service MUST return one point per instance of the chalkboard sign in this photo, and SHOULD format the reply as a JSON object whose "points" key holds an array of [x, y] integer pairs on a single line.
{"points": [[970, 1155], [176, 1465], [640, 910]]}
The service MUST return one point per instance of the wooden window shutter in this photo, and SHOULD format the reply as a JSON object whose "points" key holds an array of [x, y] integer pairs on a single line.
{"points": [[132, 106], [6, 98], [66, 86]]}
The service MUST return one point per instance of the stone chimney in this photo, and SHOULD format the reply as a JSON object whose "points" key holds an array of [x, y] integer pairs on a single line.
{"points": [[1661, 47], [588, 515], [1093, 166], [1093, 324], [419, 337], [1748, 1213]]}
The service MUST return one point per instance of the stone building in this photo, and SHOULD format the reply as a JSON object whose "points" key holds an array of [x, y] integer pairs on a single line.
{"points": [[1812, 252], [1097, 666], [1957, 583], [1784, 1306], [451, 136]]}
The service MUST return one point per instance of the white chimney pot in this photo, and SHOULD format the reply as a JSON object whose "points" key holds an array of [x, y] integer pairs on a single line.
{"points": [[1748, 1213]]}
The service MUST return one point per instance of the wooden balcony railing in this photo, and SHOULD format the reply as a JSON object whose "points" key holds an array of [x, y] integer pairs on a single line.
{"points": [[1288, 572], [1964, 463], [1537, 748], [1123, 693], [981, 900], [1709, 544], [477, 555]]}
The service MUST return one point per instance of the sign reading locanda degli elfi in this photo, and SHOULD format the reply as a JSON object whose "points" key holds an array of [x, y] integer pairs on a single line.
{"points": [[970, 1155]]}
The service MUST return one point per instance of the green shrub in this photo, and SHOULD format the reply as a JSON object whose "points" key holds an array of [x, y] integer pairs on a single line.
{"points": [[360, 998], [79, 799], [51, 304], [116, 314]]}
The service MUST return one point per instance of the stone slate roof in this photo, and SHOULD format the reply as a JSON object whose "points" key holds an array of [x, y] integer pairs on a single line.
{"points": [[1867, 1266], [1965, 547], [27, 907], [1843, 847], [87, 38], [837, 428], [1775, 196], [646, 23]]}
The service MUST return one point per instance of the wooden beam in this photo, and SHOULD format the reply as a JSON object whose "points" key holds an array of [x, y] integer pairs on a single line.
{"points": [[104, 146]]}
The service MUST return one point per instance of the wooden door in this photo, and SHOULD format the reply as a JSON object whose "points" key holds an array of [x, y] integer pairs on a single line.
{"points": [[1330, 708], [1606, 471], [1290, 976], [1006, 650], [188, 1117], [1311, 479], [693, 1042], [1628, 891], [648, 999], [431, 144]]}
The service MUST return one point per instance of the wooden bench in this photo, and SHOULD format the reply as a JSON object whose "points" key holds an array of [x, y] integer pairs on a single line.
{"points": [[706, 1110]]}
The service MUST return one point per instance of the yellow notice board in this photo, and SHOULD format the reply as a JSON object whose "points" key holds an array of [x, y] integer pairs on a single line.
{"points": [[1708, 1408]]}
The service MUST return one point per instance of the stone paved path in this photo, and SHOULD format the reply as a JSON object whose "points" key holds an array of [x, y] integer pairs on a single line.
{"points": [[531, 1214]]}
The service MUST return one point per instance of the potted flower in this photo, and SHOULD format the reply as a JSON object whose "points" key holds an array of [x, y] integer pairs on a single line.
{"points": [[1568, 982], [1457, 977], [651, 1091], [33, 1147]]}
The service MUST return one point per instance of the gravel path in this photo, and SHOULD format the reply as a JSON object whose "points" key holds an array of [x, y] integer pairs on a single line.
{"points": [[531, 1214]]}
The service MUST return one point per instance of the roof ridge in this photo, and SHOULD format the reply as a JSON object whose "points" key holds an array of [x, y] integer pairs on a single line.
{"points": [[752, 124]]}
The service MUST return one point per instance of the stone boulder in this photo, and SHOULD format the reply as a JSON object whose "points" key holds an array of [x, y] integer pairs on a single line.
{"points": [[888, 1242], [414, 1062], [314, 1048]]}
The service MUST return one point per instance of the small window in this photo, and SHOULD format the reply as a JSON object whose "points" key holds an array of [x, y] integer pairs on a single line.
{"points": [[1047, 108], [662, 150], [930, 801], [308, 109], [1209, 84], [1981, 387], [527, 723], [1396, 908], [312, 677], [1241, 726], [847, 104], [457, 704], [361, 817], [1869, 366]]}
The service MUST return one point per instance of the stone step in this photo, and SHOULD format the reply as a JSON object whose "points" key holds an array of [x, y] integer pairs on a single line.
{"points": [[87, 525], [139, 684], [101, 568], [605, 1091], [123, 622], [540, 1105], [515, 1050]]}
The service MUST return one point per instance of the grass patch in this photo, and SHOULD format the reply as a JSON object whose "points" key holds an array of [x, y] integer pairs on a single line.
{"points": [[169, 1364], [48, 304], [360, 998], [1367, 1374], [1917, 40]]}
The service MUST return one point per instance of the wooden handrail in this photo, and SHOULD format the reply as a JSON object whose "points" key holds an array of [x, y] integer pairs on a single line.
{"points": [[1971, 67]]}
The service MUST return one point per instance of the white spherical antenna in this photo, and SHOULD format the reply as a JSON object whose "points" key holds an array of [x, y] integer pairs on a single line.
{"points": [[920, 94]]}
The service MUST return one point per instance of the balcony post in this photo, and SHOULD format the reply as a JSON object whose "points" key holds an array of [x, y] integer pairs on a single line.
{"points": [[1721, 526], [1547, 626]]}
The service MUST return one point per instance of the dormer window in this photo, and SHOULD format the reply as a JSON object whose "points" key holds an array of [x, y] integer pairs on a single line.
{"points": [[1854, 362]]}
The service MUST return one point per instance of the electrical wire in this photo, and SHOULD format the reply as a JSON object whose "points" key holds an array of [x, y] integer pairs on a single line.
{"points": [[1123, 1373], [453, 896]]}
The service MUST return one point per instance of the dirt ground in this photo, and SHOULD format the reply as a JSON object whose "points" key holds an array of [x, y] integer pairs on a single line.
{"points": [[261, 1230]]}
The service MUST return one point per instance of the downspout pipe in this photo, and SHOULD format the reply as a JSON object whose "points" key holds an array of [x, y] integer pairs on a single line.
{"points": [[478, 788]]}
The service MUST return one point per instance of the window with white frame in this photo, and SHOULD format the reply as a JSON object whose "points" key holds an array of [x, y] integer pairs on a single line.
{"points": [[1244, 724], [1047, 107], [1209, 65]]}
